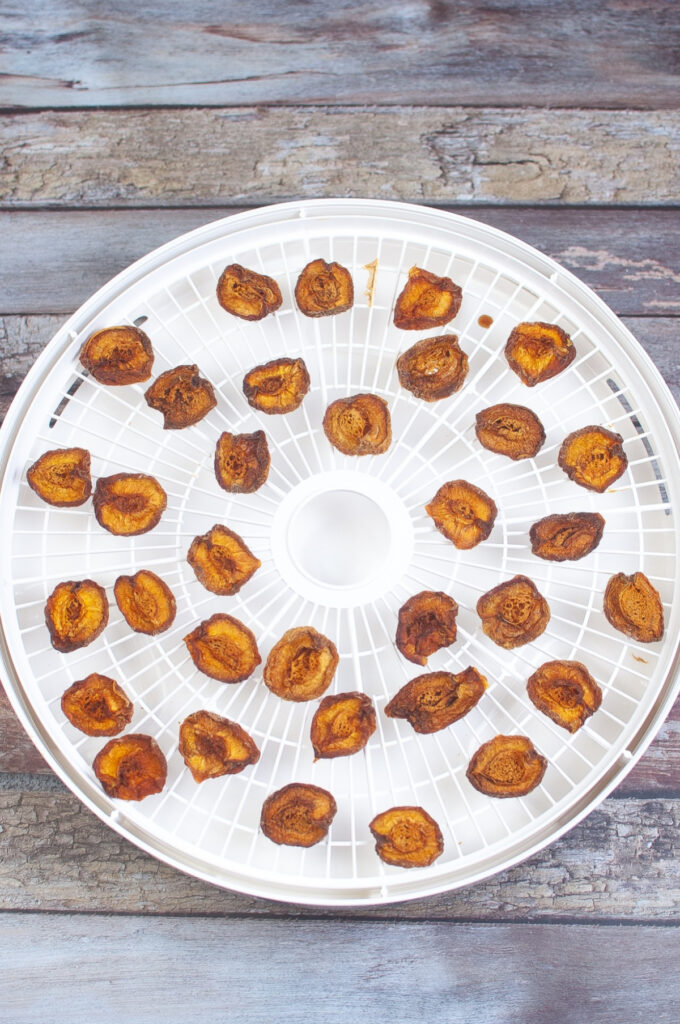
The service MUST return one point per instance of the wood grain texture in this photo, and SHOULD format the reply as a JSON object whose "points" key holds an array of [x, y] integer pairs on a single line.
{"points": [[535, 52], [253, 155]]}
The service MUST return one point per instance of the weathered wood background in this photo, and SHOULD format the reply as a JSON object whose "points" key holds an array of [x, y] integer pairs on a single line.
{"points": [[122, 127]]}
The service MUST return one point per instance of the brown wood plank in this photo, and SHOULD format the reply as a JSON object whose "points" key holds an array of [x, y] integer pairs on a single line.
{"points": [[536, 52], [253, 155]]}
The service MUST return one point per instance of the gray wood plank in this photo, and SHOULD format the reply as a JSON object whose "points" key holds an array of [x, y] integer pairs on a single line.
{"points": [[252, 155], [527, 52]]}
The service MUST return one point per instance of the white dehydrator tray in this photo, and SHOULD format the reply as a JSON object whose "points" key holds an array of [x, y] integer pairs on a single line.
{"points": [[343, 543]]}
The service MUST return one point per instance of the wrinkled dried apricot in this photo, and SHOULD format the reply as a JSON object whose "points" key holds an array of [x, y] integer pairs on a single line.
{"points": [[222, 561], [131, 767], [359, 425], [427, 622], [342, 724], [407, 837], [435, 700], [465, 514], [566, 692], [426, 301], [213, 746], [568, 537], [301, 665], [511, 430], [277, 387], [323, 289], [62, 477], [513, 613], [298, 815], [633, 606], [146, 602], [506, 766], [433, 368], [127, 504], [223, 648], [97, 706], [242, 461], [593, 457], [538, 351], [75, 614], [118, 355], [182, 396], [247, 294]]}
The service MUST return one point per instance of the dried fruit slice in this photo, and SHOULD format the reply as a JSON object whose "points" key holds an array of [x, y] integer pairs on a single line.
{"points": [[513, 613], [247, 294], [433, 368], [182, 396], [593, 457], [359, 425], [277, 387], [146, 602], [435, 700], [538, 351], [131, 767], [127, 504], [97, 706], [223, 648], [426, 301], [407, 837], [242, 461], [562, 538], [118, 355], [61, 477], [222, 560], [465, 514], [633, 606], [298, 815], [301, 665], [566, 692], [427, 622], [506, 766], [511, 430], [75, 614], [213, 746], [323, 289], [342, 724]]}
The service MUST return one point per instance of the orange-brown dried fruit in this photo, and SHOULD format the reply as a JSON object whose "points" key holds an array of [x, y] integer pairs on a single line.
{"points": [[506, 766], [223, 648], [323, 289], [359, 425], [513, 613], [97, 706], [465, 514], [222, 561], [566, 692], [118, 355], [427, 622], [593, 457], [433, 368], [343, 724], [131, 767], [407, 837], [538, 351], [298, 815], [511, 430], [75, 614], [426, 301], [247, 294], [568, 537], [633, 606], [301, 665], [146, 602], [277, 387], [242, 461], [127, 504], [61, 477], [213, 746], [182, 397], [435, 700]]}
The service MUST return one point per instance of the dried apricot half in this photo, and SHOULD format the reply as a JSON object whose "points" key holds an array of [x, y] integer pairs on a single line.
{"points": [[433, 368], [513, 613], [146, 602], [343, 724], [435, 700], [223, 648], [62, 477], [407, 837], [359, 425], [511, 430], [127, 504], [426, 301], [75, 614], [323, 289], [131, 767], [298, 815], [301, 665], [97, 706], [427, 622], [118, 355], [633, 606], [213, 746], [222, 560], [506, 766], [568, 537], [566, 692], [182, 396], [593, 457], [538, 351], [277, 387], [247, 294], [242, 461], [465, 514]]}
